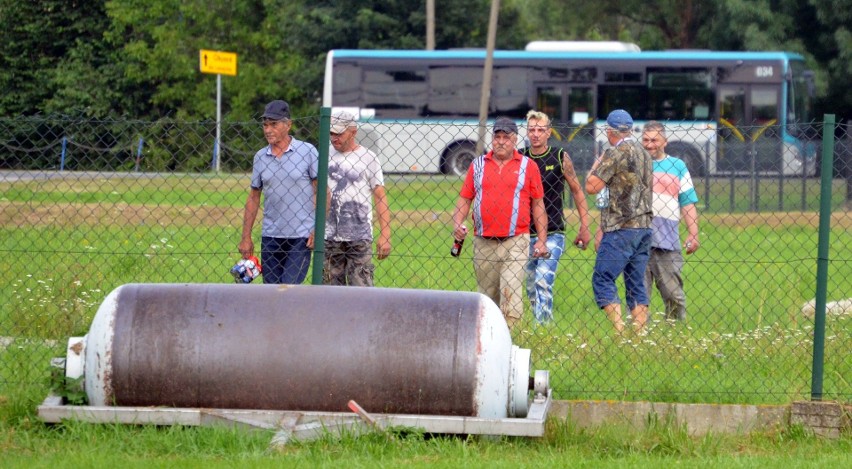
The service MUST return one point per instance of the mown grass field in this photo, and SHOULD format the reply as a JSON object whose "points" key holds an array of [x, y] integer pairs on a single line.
{"points": [[69, 241], [73, 445]]}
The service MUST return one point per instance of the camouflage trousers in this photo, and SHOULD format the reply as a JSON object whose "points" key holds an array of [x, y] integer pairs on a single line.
{"points": [[348, 263]]}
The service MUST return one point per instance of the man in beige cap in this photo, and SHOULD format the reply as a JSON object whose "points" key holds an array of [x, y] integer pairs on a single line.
{"points": [[356, 185]]}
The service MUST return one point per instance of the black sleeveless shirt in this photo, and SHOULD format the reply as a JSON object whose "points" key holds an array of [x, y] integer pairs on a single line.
{"points": [[553, 180]]}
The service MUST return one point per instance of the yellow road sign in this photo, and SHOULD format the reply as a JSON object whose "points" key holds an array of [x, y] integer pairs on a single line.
{"points": [[218, 62]]}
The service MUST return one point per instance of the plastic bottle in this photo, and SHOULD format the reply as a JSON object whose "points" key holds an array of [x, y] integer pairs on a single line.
{"points": [[602, 199]]}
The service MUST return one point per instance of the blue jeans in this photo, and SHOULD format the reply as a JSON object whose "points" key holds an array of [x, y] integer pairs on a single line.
{"points": [[541, 274], [622, 251], [284, 260]]}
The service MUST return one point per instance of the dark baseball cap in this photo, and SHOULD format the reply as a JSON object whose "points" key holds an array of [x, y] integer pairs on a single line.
{"points": [[619, 120], [504, 124], [277, 110]]}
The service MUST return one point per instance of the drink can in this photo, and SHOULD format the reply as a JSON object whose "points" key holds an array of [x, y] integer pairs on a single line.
{"points": [[246, 270]]}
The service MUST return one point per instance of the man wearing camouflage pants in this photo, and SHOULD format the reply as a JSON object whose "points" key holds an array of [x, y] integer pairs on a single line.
{"points": [[355, 182]]}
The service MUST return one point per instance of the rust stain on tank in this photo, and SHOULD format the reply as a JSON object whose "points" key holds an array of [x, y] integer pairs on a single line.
{"points": [[77, 347], [479, 320], [106, 380]]}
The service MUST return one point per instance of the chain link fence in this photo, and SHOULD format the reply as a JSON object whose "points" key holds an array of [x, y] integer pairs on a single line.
{"points": [[90, 205]]}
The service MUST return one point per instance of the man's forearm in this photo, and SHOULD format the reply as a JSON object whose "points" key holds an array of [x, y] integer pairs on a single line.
{"points": [[461, 211], [540, 218], [385, 221], [690, 217], [582, 208], [248, 220]]}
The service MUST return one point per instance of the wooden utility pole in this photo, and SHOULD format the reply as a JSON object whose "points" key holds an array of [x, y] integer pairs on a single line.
{"points": [[430, 24], [486, 75]]}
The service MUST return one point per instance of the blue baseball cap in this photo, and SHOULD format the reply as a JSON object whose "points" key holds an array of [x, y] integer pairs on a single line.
{"points": [[619, 120], [277, 110]]}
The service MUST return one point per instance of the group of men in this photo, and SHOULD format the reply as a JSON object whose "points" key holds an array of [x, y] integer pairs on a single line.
{"points": [[515, 201], [642, 194], [286, 172]]}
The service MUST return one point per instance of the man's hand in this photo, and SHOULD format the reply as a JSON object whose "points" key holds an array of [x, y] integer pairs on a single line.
{"points": [[460, 232], [383, 247], [583, 238], [246, 248], [540, 249], [691, 245]]}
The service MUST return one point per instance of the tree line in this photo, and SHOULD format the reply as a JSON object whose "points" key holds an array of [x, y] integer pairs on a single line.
{"points": [[138, 59]]}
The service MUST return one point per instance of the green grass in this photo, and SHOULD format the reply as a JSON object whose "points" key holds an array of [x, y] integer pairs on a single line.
{"points": [[745, 341], [429, 192], [723, 195], [716, 195], [67, 243], [659, 444], [186, 189]]}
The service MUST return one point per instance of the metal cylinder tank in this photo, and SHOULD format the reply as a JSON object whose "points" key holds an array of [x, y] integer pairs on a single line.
{"points": [[286, 347]]}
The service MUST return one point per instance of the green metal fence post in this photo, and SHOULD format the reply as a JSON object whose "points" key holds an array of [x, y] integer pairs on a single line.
{"points": [[822, 255], [322, 196]]}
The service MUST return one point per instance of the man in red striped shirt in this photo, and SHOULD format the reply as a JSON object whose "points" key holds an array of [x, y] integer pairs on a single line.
{"points": [[505, 190]]}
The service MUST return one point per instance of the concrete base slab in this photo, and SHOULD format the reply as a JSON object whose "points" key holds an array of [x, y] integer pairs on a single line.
{"points": [[698, 419], [824, 418]]}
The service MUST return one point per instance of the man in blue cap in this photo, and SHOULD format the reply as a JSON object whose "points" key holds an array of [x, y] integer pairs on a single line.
{"points": [[626, 171], [286, 172]]}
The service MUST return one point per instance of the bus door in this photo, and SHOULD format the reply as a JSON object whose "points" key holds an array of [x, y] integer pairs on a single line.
{"points": [[572, 116], [749, 137]]}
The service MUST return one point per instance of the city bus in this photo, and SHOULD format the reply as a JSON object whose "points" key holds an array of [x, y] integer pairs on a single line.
{"points": [[726, 113]]}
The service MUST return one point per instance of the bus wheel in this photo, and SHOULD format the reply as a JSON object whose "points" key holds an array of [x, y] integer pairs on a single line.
{"points": [[690, 155], [458, 157]]}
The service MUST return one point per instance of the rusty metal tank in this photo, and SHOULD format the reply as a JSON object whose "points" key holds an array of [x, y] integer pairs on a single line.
{"points": [[310, 348]]}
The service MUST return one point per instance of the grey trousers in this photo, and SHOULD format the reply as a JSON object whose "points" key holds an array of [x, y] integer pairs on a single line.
{"points": [[664, 269]]}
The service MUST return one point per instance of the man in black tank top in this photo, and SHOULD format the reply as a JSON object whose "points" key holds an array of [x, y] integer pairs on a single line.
{"points": [[556, 169]]}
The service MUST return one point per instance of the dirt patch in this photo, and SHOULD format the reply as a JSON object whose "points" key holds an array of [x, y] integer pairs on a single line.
{"points": [[20, 214], [776, 219]]}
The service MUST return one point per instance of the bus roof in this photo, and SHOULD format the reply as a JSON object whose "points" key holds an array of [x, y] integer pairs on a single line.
{"points": [[462, 54], [582, 46]]}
